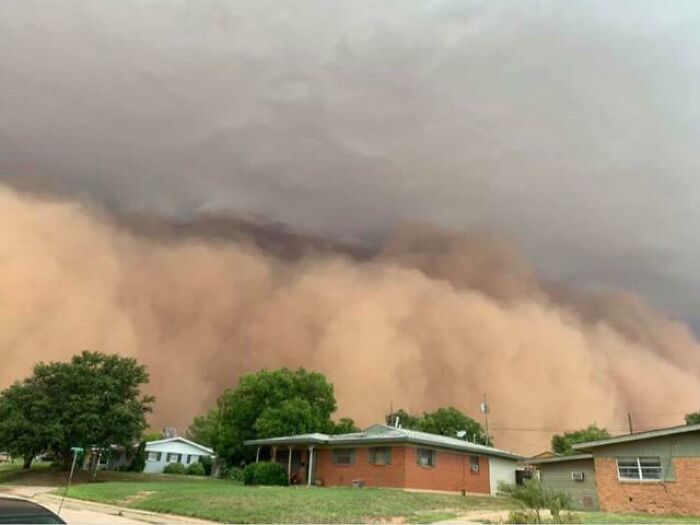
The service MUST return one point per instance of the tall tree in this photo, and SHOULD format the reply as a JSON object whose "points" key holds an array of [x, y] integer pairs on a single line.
{"points": [[93, 400], [562, 443], [269, 403]]}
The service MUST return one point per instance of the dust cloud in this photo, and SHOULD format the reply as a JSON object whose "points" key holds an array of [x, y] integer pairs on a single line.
{"points": [[433, 318]]}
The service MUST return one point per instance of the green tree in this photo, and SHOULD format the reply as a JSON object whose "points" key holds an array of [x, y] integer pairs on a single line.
{"points": [[403, 418], [446, 421], [26, 428], [204, 428], [562, 443], [345, 425], [93, 400], [693, 418], [269, 403]]}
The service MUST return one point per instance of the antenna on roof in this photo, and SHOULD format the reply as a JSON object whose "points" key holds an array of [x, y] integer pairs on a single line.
{"points": [[397, 422]]}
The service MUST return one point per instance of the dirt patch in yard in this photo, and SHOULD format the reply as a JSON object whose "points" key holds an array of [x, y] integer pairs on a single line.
{"points": [[135, 498]]}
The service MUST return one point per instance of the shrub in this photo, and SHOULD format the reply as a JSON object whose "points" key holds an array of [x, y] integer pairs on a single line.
{"points": [[265, 473], [535, 498], [207, 463], [138, 462], [195, 469], [235, 474], [249, 473], [174, 468]]}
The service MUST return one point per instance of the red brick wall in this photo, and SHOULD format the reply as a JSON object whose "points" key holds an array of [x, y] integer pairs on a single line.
{"points": [[391, 475], [681, 496], [451, 472]]}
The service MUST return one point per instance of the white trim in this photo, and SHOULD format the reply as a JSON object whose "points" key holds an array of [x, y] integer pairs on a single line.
{"points": [[641, 478]]}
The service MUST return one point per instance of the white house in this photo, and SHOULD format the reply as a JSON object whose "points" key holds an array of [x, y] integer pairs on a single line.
{"points": [[161, 453]]}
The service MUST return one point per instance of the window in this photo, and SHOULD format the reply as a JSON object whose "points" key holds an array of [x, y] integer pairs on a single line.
{"points": [[173, 458], [154, 456], [640, 469], [344, 456], [474, 463], [577, 476], [380, 455], [192, 458], [426, 457]]}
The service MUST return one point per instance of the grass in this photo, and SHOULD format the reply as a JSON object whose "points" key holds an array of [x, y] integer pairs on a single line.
{"points": [[228, 501], [606, 517], [47, 475]]}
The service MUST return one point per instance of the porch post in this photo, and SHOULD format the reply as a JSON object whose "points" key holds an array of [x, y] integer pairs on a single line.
{"points": [[310, 464], [257, 455], [274, 454], [289, 463]]}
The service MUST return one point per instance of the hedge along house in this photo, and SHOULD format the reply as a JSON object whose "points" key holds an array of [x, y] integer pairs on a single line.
{"points": [[656, 471], [384, 456], [574, 475]]}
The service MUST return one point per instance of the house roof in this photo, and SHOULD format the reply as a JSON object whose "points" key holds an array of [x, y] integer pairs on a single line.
{"points": [[650, 434], [557, 459], [378, 434], [183, 440]]}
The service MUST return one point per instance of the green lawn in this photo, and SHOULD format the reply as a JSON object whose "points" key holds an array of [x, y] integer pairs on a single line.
{"points": [[228, 501]]}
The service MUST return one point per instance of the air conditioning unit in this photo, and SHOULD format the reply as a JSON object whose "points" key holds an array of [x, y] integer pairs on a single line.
{"points": [[577, 476], [474, 468]]}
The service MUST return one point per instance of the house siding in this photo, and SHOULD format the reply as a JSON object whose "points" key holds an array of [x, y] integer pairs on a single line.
{"points": [[172, 447], [557, 476]]}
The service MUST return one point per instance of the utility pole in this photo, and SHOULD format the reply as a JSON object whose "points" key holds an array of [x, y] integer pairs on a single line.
{"points": [[485, 411], [629, 421]]}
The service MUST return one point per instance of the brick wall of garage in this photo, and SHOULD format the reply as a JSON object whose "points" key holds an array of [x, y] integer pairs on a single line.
{"points": [[680, 496]]}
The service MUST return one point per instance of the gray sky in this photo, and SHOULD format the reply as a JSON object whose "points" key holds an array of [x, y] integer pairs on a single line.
{"points": [[571, 126]]}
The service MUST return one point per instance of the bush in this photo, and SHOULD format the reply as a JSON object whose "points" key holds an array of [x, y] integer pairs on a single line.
{"points": [[249, 473], [235, 474], [195, 469], [535, 498], [138, 462], [265, 473], [207, 463], [174, 468]]}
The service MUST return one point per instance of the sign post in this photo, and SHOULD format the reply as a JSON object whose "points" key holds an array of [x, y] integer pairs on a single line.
{"points": [[76, 451]]}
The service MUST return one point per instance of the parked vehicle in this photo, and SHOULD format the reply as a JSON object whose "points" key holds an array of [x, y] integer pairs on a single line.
{"points": [[16, 510]]}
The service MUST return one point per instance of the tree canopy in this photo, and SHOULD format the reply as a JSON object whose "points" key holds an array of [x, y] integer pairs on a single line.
{"points": [[446, 421], [268, 404], [562, 443], [93, 400], [693, 418]]}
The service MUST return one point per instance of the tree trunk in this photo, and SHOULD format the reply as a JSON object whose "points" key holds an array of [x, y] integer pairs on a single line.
{"points": [[28, 461]]}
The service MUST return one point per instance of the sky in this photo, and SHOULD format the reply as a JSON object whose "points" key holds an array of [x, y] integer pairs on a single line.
{"points": [[569, 127]]}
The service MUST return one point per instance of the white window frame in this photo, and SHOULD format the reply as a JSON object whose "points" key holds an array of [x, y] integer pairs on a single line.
{"points": [[432, 455], [178, 457], [640, 470], [153, 456]]}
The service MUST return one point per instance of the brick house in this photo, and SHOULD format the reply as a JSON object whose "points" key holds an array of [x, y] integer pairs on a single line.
{"points": [[656, 472], [384, 456]]}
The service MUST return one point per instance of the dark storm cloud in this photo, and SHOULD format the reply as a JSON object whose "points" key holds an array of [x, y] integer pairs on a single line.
{"points": [[570, 126]]}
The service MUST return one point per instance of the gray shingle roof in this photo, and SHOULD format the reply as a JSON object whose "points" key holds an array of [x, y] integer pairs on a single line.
{"points": [[558, 459], [378, 434], [650, 434]]}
